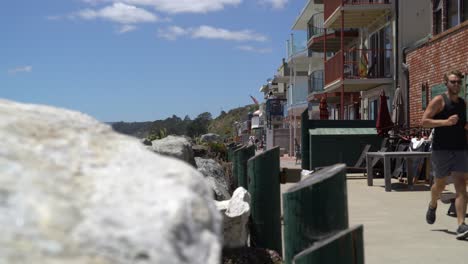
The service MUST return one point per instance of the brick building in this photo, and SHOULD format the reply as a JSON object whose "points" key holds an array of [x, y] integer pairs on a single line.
{"points": [[445, 50]]}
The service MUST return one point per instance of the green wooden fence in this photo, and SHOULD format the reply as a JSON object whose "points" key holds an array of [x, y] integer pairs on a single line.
{"points": [[264, 188], [240, 158], [345, 247], [314, 209]]}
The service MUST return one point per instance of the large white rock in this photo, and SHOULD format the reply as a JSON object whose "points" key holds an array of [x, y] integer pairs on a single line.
{"points": [[236, 213], [175, 146], [73, 191], [214, 174]]}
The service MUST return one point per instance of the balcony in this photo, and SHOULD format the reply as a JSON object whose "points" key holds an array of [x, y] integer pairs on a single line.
{"points": [[316, 82], [332, 40], [297, 45], [362, 69], [357, 13]]}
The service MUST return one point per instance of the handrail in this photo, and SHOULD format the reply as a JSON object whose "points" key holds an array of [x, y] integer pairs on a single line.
{"points": [[358, 64]]}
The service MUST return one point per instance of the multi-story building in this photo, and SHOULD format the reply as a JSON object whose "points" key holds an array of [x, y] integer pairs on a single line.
{"points": [[347, 52], [430, 58], [308, 20], [364, 38], [275, 131], [306, 70]]}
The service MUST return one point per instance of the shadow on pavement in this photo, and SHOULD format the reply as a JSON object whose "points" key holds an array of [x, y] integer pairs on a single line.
{"points": [[403, 187]]}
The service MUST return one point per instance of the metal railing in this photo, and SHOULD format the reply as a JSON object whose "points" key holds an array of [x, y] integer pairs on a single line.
{"points": [[316, 81], [331, 5], [359, 64], [367, 63], [297, 44], [315, 25]]}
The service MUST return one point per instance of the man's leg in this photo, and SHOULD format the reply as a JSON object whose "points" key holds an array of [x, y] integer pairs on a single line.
{"points": [[460, 205], [437, 188], [462, 197]]}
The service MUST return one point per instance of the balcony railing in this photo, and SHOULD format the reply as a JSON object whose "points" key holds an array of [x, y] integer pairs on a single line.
{"points": [[331, 5], [297, 44], [359, 64], [315, 25], [316, 82], [334, 68]]}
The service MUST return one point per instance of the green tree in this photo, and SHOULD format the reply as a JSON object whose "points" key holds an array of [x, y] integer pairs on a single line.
{"points": [[199, 125]]}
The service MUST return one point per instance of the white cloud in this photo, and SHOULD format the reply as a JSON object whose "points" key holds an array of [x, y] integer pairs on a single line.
{"points": [[172, 32], [20, 69], [277, 4], [209, 32], [253, 49], [126, 28], [178, 6], [120, 13]]}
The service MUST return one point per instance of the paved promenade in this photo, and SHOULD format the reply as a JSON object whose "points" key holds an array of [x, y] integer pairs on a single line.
{"points": [[395, 230]]}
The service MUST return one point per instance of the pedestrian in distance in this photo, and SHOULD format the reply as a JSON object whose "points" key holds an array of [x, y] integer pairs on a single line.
{"points": [[446, 113]]}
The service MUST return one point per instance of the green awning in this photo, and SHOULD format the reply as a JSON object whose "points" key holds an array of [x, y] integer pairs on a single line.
{"points": [[343, 131]]}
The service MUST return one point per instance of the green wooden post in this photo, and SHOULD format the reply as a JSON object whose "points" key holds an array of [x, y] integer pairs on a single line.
{"points": [[235, 165], [231, 149], [242, 156], [345, 247], [305, 125], [314, 208], [230, 152], [264, 188]]}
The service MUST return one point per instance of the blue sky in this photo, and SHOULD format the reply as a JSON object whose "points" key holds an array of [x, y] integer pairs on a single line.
{"points": [[142, 60]]}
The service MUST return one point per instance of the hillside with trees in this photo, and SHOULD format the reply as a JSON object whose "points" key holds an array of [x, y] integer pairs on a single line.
{"points": [[223, 125], [202, 124]]}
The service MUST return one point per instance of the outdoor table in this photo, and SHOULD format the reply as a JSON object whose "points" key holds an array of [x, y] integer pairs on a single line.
{"points": [[387, 156]]}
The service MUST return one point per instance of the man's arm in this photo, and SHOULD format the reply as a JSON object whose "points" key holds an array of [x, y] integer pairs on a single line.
{"points": [[435, 106]]}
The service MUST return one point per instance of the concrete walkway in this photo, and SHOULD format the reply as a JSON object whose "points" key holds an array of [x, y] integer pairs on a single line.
{"points": [[395, 230]]}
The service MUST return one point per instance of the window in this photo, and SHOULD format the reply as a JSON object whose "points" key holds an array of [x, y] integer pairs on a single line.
{"points": [[464, 6], [456, 11], [351, 112], [453, 17], [381, 53], [373, 109], [437, 17]]}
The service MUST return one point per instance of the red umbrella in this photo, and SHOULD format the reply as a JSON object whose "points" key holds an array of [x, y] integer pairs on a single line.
{"points": [[323, 107], [384, 121]]}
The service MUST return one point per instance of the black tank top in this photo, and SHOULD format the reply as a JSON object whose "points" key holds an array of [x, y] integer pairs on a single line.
{"points": [[451, 137]]}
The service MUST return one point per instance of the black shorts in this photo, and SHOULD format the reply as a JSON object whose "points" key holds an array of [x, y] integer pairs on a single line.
{"points": [[446, 161]]}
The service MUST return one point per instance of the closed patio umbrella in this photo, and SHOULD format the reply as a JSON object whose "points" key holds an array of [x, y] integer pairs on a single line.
{"points": [[323, 109], [397, 111], [384, 122]]}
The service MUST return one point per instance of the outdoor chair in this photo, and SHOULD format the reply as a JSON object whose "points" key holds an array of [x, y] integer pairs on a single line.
{"points": [[398, 170], [297, 152], [360, 165]]}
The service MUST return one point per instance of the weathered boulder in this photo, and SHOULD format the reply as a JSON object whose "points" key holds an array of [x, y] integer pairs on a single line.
{"points": [[175, 146], [214, 174], [236, 214], [145, 141], [210, 137], [250, 255], [73, 191], [200, 151]]}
